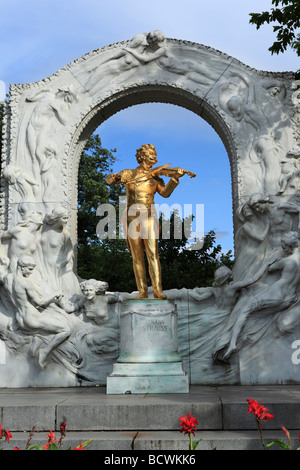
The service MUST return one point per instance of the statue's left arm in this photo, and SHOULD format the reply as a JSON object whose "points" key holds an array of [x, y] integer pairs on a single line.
{"points": [[165, 190]]}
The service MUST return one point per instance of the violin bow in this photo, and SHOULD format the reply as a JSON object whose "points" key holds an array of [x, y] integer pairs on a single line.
{"points": [[150, 172]]}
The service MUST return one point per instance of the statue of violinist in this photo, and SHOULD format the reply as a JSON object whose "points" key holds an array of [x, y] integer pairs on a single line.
{"points": [[142, 231]]}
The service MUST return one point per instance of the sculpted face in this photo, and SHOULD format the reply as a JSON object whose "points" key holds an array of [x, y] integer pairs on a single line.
{"points": [[27, 270], [89, 292], [149, 159]]}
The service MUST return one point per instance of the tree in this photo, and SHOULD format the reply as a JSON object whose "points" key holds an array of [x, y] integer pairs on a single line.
{"points": [[186, 262], [286, 16], [95, 164]]}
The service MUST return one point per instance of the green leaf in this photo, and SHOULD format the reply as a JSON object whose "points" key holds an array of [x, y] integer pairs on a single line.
{"points": [[279, 443], [34, 447], [85, 443], [195, 444]]}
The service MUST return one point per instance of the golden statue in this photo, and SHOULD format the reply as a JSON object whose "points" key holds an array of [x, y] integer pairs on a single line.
{"points": [[141, 185]]}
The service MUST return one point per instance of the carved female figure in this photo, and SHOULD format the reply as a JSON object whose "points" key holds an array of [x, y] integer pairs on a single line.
{"points": [[24, 184], [48, 176], [252, 236], [56, 253], [278, 295], [116, 65], [40, 131], [94, 302]]}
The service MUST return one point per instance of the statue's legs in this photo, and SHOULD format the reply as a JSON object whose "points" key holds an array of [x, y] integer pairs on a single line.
{"points": [[136, 247], [151, 248]]}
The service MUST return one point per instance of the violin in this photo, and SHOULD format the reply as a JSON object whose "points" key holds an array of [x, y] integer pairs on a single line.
{"points": [[163, 171]]}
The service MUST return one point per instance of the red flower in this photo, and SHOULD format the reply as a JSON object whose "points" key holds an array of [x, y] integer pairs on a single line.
{"points": [[51, 440], [259, 410], [80, 447], [16, 448], [188, 424], [5, 433]]}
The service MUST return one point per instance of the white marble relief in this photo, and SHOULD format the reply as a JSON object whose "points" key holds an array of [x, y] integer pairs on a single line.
{"points": [[59, 330]]}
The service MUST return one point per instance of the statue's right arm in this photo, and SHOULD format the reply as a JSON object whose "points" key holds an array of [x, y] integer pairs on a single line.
{"points": [[113, 178], [41, 301], [117, 178]]}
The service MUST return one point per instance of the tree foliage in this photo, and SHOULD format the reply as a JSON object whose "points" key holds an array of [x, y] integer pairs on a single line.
{"points": [[110, 259], [286, 18], [95, 164]]}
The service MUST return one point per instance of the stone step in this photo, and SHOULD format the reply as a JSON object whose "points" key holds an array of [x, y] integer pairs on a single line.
{"points": [[150, 422], [117, 441]]}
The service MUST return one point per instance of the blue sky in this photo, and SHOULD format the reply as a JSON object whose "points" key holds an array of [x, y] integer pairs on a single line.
{"points": [[38, 37]]}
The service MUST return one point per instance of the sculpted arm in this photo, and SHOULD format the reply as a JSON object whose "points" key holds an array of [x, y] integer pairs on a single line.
{"points": [[37, 299], [117, 178], [254, 234], [202, 293], [162, 51], [166, 190], [7, 234]]}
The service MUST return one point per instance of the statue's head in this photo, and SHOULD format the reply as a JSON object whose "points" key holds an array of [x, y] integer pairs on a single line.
{"points": [[258, 202], [26, 264], [146, 152], [155, 37], [59, 213], [92, 287], [222, 275], [289, 242]]}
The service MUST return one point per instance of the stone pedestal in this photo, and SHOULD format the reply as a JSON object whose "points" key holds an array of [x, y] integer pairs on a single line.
{"points": [[149, 361]]}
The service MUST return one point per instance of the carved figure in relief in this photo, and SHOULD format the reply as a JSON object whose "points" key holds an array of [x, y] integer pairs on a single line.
{"points": [[48, 175], [224, 290], [117, 65], [267, 151], [22, 182], [142, 231], [278, 295], [22, 239], [238, 98], [28, 300], [40, 131], [56, 253], [284, 217], [290, 171], [253, 243], [94, 302], [158, 51]]}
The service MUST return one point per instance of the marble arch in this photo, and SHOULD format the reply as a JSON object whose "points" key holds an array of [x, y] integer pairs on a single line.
{"points": [[256, 114]]}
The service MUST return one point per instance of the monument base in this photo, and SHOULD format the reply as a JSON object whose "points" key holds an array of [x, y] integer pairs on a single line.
{"points": [[149, 361], [147, 378]]}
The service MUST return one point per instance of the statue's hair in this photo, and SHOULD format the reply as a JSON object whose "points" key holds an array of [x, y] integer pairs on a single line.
{"points": [[26, 260], [156, 34], [144, 151], [291, 238], [99, 286], [222, 275], [56, 214], [28, 217], [257, 197]]}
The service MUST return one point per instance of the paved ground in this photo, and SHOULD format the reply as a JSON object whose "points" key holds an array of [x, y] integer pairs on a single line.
{"points": [[150, 422]]}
